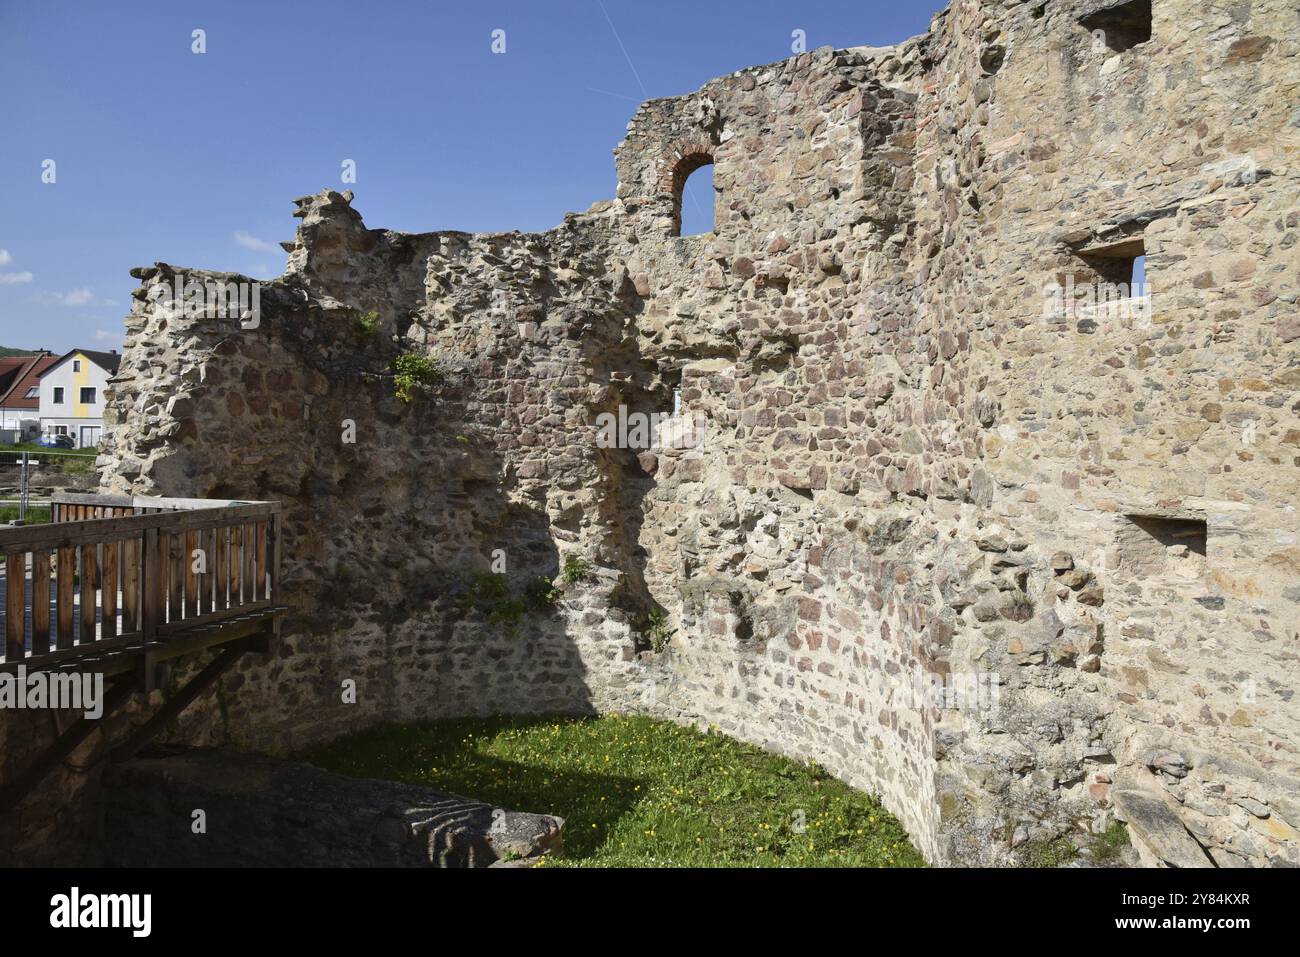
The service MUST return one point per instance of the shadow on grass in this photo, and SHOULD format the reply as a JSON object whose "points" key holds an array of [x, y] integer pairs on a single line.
{"points": [[454, 756]]}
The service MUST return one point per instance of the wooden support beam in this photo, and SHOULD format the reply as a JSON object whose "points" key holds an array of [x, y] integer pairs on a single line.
{"points": [[17, 789], [200, 683]]}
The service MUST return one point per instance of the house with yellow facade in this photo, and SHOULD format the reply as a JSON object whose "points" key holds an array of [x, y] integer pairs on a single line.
{"points": [[72, 395]]}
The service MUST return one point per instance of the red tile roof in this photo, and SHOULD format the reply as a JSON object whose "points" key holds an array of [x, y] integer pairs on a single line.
{"points": [[19, 375]]}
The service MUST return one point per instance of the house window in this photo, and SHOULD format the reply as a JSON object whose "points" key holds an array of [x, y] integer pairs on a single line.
{"points": [[58, 395], [76, 365], [87, 396], [34, 392]]}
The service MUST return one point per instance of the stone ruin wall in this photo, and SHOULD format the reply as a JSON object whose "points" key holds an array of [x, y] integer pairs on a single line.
{"points": [[906, 467]]}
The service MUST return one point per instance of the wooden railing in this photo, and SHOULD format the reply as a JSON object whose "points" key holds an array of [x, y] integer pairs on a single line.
{"points": [[115, 574]]}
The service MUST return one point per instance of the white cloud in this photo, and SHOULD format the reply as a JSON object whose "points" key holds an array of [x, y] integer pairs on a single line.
{"points": [[108, 338], [252, 242], [75, 297], [5, 258], [9, 278]]}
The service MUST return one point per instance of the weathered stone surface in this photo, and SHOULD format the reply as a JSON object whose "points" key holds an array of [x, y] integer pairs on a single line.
{"points": [[1156, 831], [902, 425], [262, 812]]}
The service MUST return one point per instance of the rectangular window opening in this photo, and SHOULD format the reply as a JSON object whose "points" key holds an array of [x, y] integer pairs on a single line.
{"points": [[1120, 26], [1121, 263], [1147, 543]]}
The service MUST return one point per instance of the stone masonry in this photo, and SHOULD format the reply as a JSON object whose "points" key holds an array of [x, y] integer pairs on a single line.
{"points": [[288, 814], [914, 460]]}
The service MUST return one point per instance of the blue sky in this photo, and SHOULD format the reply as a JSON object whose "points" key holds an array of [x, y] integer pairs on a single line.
{"points": [[164, 154]]}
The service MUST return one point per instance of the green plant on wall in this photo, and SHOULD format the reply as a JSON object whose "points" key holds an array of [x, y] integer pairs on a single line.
{"points": [[414, 372], [490, 595], [540, 593], [1052, 853], [655, 629], [367, 325], [1110, 843], [576, 569]]}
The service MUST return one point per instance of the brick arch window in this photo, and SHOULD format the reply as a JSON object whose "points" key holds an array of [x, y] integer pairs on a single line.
{"points": [[684, 160]]}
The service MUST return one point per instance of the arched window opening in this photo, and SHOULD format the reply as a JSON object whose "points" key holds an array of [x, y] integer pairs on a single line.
{"points": [[693, 196]]}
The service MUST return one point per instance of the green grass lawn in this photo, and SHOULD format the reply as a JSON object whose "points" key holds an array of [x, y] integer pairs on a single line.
{"points": [[37, 447], [635, 792], [36, 515], [68, 461]]}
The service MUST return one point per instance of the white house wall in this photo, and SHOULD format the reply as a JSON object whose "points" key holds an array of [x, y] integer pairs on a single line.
{"points": [[72, 412]]}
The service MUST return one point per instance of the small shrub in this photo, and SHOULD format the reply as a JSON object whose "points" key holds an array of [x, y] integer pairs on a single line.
{"points": [[576, 569], [540, 593], [367, 325], [490, 595], [1110, 842], [413, 371], [656, 630], [1048, 853]]}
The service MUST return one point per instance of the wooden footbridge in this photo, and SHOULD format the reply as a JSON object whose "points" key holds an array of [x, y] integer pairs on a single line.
{"points": [[121, 585]]}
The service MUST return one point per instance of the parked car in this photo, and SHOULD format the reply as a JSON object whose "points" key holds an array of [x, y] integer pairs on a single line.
{"points": [[56, 441]]}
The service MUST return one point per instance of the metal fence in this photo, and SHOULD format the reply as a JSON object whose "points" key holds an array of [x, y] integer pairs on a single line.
{"points": [[18, 466]]}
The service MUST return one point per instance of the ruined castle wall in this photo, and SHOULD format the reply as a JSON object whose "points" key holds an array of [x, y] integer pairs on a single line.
{"points": [[793, 331], [1187, 142], [389, 507], [907, 468]]}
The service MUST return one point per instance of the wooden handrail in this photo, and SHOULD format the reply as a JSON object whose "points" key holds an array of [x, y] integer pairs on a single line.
{"points": [[25, 538], [142, 568], [153, 502]]}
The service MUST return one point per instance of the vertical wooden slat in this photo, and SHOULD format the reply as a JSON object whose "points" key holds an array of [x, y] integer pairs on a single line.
{"points": [[274, 527], [152, 583], [152, 591], [175, 577], [250, 563], [236, 564], [191, 577], [89, 602], [40, 602], [222, 559], [260, 555], [108, 590], [131, 585], [67, 576], [205, 578], [15, 605], [210, 580]]}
